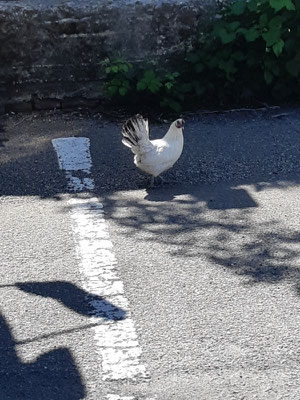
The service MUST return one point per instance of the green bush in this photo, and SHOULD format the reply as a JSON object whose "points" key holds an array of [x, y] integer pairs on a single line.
{"points": [[253, 49], [250, 52]]}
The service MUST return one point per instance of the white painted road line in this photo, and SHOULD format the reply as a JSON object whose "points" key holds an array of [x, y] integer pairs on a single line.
{"points": [[74, 155], [115, 336]]}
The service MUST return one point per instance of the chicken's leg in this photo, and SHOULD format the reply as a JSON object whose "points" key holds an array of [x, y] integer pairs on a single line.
{"points": [[164, 181], [151, 185]]}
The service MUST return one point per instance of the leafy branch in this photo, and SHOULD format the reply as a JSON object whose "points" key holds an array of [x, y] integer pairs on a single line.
{"points": [[250, 50]]}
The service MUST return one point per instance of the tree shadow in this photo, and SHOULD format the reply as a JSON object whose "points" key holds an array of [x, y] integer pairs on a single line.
{"points": [[52, 376], [266, 254], [219, 223], [74, 298], [221, 198], [3, 138], [216, 218]]}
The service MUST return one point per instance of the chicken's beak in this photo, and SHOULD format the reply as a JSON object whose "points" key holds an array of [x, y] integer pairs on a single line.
{"points": [[179, 123]]}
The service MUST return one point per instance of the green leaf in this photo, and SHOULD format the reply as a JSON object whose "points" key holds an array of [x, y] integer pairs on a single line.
{"points": [[116, 82], [141, 85], [275, 22], [252, 34], [124, 68], [238, 7], [290, 5], [242, 30], [272, 36], [263, 20], [234, 25], [279, 4], [105, 62], [149, 81], [114, 68], [149, 75], [224, 32], [122, 91], [168, 85], [171, 77], [226, 37], [277, 47], [154, 86], [252, 5], [112, 90], [268, 76]]}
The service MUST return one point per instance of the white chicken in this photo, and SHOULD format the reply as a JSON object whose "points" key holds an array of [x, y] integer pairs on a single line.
{"points": [[153, 156]]}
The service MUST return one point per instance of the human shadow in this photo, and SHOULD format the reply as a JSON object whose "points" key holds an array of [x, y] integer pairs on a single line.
{"points": [[74, 298], [53, 375]]}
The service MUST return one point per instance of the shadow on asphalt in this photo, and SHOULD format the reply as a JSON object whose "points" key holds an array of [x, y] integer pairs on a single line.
{"points": [[3, 139], [53, 375], [209, 216], [223, 199], [218, 223], [220, 154], [247, 148], [74, 298]]}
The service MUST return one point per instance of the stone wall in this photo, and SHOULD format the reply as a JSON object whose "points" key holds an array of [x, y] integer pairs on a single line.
{"points": [[52, 49]]}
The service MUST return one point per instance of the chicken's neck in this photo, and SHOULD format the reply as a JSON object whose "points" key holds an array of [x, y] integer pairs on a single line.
{"points": [[173, 135]]}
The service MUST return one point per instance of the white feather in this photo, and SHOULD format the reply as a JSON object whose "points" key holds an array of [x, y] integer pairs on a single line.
{"points": [[153, 156]]}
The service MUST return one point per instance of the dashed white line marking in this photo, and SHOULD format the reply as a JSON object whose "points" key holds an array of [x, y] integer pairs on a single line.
{"points": [[115, 337], [73, 153]]}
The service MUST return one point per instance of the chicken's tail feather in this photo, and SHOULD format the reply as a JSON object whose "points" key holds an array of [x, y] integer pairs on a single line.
{"points": [[134, 131]]}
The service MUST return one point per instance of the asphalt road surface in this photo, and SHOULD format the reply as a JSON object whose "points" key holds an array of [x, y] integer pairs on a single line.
{"points": [[112, 291]]}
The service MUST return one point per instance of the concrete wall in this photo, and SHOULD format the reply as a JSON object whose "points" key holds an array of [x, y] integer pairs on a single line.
{"points": [[52, 48]]}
